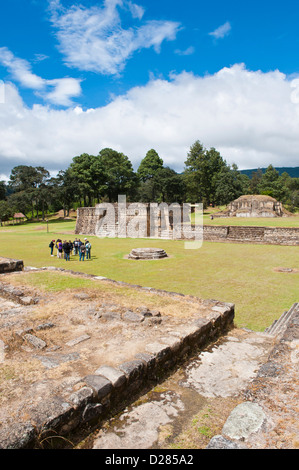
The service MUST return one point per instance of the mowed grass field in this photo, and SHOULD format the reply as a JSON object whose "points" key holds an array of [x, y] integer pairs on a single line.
{"points": [[243, 274]]}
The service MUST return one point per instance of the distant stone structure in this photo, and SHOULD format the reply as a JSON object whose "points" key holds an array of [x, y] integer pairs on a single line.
{"points": [[254, 206]]}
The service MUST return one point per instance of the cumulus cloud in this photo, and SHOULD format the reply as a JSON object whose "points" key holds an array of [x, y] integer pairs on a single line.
{"points": [[57, 91], [93, 39], [251, 117], [221, 31]]}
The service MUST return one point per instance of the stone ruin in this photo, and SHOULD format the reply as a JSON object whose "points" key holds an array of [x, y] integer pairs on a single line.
{"points": [[147, 253], [254, 206], [134, 220]]}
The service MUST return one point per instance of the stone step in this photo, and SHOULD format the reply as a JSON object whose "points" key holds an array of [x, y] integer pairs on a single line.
{"points": [[278, 326]]}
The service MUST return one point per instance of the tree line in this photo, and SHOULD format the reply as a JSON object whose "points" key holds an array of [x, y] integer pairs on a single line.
{"points": [[91, 179]]}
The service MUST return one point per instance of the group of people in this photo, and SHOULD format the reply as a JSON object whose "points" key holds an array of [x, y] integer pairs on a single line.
{"points": [[66, 248]]}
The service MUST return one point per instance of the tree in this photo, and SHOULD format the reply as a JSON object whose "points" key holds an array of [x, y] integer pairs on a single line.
{"points": [[81, 170], [268, 180], [32, 181], [149, 165], [6, 211], [119, 176], [230, 184], [170, 185], [201, 170], [2, 190], [256, 177], [64, 189]]}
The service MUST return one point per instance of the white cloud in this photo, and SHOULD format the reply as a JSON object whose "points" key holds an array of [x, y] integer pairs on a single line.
{"points": [[189, 51], [222, 31], [57, 91], [93, 39], [249, 116], [20, 70]]}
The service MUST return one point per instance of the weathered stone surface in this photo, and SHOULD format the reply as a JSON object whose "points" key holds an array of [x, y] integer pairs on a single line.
{"points": [[220, 442], [110, 315], [159, 350], [116, 377], [244, 420], [50, 415], [132, 369], [133, 317], [55, 360], [149, 360], [147, 253], [36, 342], [82, 396], [92, 411], [9, 265], [78, 340], [44, 326], [101, 385], [17, 436]]}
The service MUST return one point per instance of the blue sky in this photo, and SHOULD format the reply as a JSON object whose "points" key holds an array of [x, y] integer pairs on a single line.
{"points": [[81, 76]]}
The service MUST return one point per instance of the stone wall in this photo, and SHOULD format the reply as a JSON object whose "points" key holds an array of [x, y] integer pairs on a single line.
{"points": [[8, 265], [249, 234], [113, 223]]}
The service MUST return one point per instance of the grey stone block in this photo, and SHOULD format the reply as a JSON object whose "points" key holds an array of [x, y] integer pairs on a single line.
{"points": [[37, 343], [116, 377], [133, 369], [99, 384], [82, 396]]}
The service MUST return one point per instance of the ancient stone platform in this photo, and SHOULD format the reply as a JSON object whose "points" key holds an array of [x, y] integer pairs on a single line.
{"points": [[147, 253], [73, 359]]}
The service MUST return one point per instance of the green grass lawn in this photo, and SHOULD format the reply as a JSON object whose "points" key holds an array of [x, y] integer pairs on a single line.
{"points": [[239, 273]]}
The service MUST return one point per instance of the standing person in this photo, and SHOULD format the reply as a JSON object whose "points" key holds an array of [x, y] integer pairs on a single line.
{"points": [[67, 250], [82, 252], [88, 249], [60, 249], [76, 246], [51, 246]]}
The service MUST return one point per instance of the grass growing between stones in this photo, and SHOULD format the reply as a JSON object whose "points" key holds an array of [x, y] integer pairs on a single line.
{"points": [[243, 274]]}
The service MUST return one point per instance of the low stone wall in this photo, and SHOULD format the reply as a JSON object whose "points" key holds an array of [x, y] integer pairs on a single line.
{"points": [[248, 234], [8, 265], [108, 389]]}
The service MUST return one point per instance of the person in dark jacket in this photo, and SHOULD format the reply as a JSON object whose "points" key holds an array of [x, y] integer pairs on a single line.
{"points": [[67, 250], [51, 246]]}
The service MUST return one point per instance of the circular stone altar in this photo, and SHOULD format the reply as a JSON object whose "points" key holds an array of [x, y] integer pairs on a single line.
{"points": [[147, 253]]}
